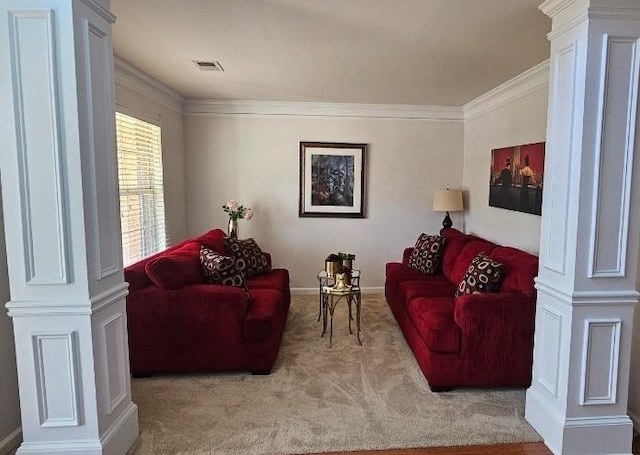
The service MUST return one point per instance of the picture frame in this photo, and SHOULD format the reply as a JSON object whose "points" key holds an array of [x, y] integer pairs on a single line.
{"points": [[332, 179], [517, 177]]}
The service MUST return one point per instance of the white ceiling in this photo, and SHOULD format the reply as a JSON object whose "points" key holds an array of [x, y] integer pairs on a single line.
{"points": [[416, 52]]}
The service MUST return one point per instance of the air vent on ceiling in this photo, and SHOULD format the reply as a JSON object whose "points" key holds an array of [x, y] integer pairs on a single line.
{"points": [[208, 66]]}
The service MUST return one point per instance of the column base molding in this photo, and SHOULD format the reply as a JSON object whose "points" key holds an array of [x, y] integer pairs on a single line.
{"points": [[116, 441], [601, 435]]}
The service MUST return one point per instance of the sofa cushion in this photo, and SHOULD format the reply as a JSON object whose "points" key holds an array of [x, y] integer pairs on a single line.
{"points": [[433, 318], [276, 279], [426, 256], [483, 275], [452, 251], [520, 269], [436, 286], [397, 273], [214, 240], [175, 268], [220, 269], [468, 254], [249, 258]]}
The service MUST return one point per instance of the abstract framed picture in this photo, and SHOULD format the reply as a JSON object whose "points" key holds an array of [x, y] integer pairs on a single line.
{"points": [[517, 176], [332, 179]]}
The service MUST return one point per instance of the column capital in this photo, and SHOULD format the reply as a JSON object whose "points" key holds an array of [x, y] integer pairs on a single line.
{"points": [[568, 12]]}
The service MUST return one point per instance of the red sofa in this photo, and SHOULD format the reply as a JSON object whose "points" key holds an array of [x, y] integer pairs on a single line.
{"points": [[475, 340], [177, 323]]}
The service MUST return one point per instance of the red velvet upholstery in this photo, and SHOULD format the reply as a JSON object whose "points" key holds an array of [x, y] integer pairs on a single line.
{"points": [[204, 327], [433, 318], [468, 254], [214, 240], [176, 268], [477, 340]]}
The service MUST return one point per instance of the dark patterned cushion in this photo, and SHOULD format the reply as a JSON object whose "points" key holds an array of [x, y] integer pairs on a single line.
{"points": [[483, 275], [249, 258], [426, 256], [220, 269]]}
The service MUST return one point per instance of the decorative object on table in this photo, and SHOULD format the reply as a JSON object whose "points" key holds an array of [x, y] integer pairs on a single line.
{"points": [[343, 278], [347, 259], [331, 264], [516, 178], [447, 200], [332, 179], [236, 212]]}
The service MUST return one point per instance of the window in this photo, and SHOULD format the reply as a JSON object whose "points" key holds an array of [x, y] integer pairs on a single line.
{"points": [[141, 188]]}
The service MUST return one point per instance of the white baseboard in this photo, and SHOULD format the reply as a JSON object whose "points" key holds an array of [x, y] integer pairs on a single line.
{"points": [[11, 442], [314, 290]]}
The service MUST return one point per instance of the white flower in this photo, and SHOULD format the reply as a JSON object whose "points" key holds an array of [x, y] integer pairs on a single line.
{"points": [[233, 204], [248, 214]]}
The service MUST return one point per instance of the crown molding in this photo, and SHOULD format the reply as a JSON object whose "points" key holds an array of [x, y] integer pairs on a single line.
{"points": [[212, 107], [528, 82], [141, 83], [554, 7]]}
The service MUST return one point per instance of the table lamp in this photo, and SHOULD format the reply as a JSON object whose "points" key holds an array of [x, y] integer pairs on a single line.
{"points": [[447, 201]]}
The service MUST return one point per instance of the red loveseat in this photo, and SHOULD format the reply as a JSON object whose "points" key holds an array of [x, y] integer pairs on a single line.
{"points": [[474, 340], [177, 323]]}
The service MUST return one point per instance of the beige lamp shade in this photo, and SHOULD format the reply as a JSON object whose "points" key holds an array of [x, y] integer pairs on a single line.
{"points": [[447, 201]]}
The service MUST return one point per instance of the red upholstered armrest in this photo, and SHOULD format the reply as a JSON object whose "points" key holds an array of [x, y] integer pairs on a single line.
{"points": [[406, 254], [136, 276], [502, 320]]}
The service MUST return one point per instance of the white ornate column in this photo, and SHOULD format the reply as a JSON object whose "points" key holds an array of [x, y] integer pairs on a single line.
{"points": [[59, 188], [590, 229]]}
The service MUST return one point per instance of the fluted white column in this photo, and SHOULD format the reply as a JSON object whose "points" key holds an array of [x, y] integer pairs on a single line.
{"points": [[590, 228], [60, 196]]}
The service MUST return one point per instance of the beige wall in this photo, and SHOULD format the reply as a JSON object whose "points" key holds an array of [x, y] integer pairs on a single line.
{"points": [[9, 402], [256, 160], [519, 122], [171, 122]]}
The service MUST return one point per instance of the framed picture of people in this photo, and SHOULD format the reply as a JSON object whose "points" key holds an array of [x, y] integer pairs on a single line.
{"points": [[332, 179], [517, 176]]}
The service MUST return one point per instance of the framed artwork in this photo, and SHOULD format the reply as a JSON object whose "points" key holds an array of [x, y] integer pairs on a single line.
{"points": [[517, 176], [332, 179]]}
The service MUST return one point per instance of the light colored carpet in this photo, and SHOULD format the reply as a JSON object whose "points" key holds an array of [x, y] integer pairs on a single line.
{"points": [[317, 399]]}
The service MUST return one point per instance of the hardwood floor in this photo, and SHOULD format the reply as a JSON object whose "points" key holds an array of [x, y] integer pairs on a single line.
{"points": [[532, 448]]}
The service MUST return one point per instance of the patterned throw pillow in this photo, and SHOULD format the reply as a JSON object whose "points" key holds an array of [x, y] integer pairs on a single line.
{"points": [[220, 269], [249, 258], [426, 256], [483, 275]]}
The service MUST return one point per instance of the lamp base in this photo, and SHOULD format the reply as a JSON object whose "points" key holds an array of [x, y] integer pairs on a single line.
{"points": [[446, 223]]}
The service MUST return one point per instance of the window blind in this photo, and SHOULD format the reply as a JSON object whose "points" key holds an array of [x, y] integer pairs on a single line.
{"points": [[141, 188]]}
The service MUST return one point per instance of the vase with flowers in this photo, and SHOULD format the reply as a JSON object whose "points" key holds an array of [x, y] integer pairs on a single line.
{"points": [[236, 212]]}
